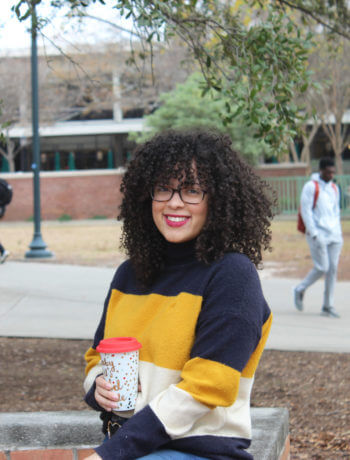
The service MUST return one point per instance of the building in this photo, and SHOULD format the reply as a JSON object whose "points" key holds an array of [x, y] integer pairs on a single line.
{"points": [[89, 103]]}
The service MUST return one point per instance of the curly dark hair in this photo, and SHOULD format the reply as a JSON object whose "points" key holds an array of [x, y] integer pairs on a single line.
{"points": [[240, 204]]}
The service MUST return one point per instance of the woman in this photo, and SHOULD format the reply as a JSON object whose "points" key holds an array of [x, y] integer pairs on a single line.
{"points": [[196, 220]]}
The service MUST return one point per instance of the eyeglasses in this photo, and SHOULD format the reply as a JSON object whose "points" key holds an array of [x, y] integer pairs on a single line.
{"points": [[189, 195]]}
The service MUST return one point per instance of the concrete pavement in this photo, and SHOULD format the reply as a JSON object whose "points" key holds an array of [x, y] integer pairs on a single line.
{"points": [[307, 330], [42, 299]]}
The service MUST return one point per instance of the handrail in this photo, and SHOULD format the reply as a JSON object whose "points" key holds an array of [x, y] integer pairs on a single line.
{"points": [[288, 190]]}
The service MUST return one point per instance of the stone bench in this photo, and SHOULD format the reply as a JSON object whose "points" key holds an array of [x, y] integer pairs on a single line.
{"points": [[71, 435]]}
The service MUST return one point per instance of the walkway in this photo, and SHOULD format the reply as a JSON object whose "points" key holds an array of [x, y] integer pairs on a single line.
{"points": [[42, 299]]}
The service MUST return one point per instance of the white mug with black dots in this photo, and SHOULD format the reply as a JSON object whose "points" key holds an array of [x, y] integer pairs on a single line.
{"points": [[120, 364]]}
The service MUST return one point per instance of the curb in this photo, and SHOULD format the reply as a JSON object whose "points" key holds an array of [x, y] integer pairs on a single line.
{"points": [[29, 435]]}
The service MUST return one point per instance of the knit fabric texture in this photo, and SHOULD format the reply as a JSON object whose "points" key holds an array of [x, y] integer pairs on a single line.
{"points": [[202, 329]]}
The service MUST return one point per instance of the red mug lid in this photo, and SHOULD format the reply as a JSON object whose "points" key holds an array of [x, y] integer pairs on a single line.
{"points": [[118, 345]]}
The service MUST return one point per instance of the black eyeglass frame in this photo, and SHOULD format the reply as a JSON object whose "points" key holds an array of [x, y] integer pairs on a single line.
{"points": [[177, 190]]}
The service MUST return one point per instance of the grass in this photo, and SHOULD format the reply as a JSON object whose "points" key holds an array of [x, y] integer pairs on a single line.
{"points": [[96, 242], [64, 218], [291, 252], [73, 242]]}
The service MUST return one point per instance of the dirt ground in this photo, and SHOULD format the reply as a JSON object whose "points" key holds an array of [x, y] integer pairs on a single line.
{"points": [[47, 375]]}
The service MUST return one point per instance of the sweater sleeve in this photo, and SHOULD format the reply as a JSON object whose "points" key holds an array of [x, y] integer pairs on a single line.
{"points": [[337, 201], [229, 331]]}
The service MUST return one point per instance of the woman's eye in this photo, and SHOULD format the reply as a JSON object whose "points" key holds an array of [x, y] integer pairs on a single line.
{"points": [[161, 188], [193, 191]]}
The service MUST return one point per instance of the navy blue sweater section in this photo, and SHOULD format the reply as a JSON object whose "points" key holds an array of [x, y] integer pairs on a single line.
{"points": [[228, 330]]}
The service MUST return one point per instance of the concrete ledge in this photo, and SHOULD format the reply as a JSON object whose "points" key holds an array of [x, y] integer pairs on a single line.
{"points": [[33, 430], [81, 430], [270, 433]]}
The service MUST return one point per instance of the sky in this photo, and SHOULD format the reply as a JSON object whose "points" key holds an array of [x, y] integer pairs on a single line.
{"points": [[61, 30]]}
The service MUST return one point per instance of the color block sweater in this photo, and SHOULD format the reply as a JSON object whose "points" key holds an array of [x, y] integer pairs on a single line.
{"points": [[202, 329]]}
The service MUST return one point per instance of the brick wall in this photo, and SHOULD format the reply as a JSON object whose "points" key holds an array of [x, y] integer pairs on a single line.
{"points": [[282, 170], [47, 454], [78, 194], [89, 193]]}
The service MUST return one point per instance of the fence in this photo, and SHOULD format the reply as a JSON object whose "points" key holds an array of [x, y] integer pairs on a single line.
{"points": [[288, 191]]}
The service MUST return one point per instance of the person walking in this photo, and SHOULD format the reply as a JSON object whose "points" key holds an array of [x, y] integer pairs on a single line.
{"points": [[320, 210], [5, 199], [196, 219], [3, 254]]}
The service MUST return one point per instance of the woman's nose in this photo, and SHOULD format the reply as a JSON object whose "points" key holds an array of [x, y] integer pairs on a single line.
{"points": [[176, 200]]}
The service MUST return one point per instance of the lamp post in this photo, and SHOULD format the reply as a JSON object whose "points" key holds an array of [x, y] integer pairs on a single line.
{"points": [[37, 246]]}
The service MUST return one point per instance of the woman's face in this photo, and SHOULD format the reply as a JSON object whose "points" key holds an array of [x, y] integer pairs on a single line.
{"points": [[178, 221]]}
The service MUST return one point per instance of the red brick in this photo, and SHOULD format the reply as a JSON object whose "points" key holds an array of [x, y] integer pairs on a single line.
{"points": [[79, 196], [281, 170], [285, 455], [83, 453], [47, 454]]}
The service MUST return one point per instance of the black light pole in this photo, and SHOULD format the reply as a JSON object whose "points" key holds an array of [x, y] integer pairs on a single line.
{"points": [[37, 246]]}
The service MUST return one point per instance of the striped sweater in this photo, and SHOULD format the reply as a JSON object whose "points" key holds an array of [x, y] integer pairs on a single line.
{"points": [[203, 329]]}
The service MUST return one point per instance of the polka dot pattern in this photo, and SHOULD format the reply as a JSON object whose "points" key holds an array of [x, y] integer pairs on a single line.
{"points": [[121, 371]]}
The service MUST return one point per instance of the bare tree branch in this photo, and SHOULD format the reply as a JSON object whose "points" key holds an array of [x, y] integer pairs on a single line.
{"points": [[110, 23]]}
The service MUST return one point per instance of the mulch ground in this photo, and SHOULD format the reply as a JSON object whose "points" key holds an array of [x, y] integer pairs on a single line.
{"points": [[47, 375]]}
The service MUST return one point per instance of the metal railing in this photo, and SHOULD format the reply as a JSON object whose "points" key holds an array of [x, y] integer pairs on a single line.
{"points": [[288, 191]]}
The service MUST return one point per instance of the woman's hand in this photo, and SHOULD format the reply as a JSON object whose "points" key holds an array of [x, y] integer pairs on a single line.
{"points": [[105, 396], [93, 457]]}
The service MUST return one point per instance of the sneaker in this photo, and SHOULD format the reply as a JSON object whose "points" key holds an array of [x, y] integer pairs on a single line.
{"points": [[330, 312], [298, 299], [4, 256]]}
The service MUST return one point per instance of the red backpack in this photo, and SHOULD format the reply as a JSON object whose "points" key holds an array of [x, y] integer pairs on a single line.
{"points": [[300, 225]]}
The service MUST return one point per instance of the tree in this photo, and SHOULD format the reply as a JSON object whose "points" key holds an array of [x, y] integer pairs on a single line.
{"points": [[185, 107], [268, 56], [14, 89], [9, 153], [334, 100], [333, 16], [329, 98], [85, 82], [2, 125], [309, 129]]}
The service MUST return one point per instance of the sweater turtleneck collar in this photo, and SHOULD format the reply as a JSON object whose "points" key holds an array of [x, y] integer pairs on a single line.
{"points": [[180, 253]]}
